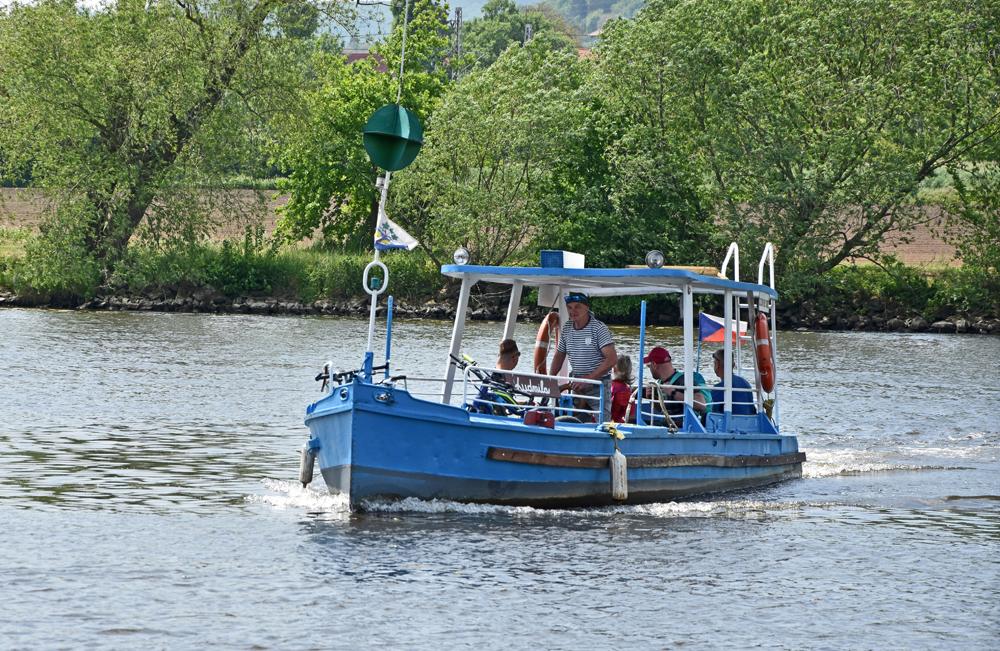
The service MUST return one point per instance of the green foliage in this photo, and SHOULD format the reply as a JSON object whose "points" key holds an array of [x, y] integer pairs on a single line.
{"points": [[298, 20], [245, 182], [814, 122], [895, 289], [976, 226], [147, 269], [487, 177], [503, 25], [251, 266], [58, 263], [590, 15], [634, 184], [113, 106], [254, 267], [412, 275], [968, 290], [246, 267], [331, 182], [13, 241]]}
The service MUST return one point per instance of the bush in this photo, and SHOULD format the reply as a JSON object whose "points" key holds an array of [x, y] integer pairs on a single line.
{"points": [[897, 290], [57, 265], [970, 291], [412, 275], [146, 269], [865, 290], [337, 275]]}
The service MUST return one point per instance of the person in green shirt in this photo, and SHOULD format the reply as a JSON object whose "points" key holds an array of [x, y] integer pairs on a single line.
{"points": [[661, 367]]}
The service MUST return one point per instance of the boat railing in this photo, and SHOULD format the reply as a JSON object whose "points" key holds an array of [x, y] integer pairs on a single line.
{"points": [[550, 391], [766, 259], [421, 387], [657, 405], [732, 254]]}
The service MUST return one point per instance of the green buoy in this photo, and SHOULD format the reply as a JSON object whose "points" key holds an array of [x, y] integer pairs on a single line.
{"points": [[393, 137]]}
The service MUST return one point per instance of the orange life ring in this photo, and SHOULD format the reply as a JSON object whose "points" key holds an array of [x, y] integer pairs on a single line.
{"points": [[765, 360], [547, 331]]}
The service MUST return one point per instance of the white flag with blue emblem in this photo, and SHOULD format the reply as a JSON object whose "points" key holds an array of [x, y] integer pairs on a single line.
{"points": [[390, 235]]}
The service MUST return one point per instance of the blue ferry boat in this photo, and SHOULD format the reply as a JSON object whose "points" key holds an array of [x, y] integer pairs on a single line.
{"points": [[375, 440]]}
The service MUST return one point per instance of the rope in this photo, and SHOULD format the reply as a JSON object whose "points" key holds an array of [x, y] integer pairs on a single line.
{"points": [[402, 53], [656, 393]]}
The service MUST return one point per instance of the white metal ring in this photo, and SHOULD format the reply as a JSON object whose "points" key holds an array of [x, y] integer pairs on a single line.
{"points": [[385, 279]]}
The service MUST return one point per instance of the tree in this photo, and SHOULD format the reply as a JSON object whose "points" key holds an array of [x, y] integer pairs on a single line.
{"points": [[817, 120], [113, 106], [651, 177], [590, 15], [488, 176], [330, 181], [503, 25]]}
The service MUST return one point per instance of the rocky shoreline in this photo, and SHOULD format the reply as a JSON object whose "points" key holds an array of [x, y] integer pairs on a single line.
{"points": [[209, 301]]}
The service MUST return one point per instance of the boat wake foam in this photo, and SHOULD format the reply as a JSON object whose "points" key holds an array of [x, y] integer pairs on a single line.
{"points": [[722, 507], [849, 463], [291, 494]]}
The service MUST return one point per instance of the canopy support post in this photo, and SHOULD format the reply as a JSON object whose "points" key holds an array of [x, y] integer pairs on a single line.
{"points": [[456, 335], [727, 357], [563, 320], [512, 309], [639, 420], [688, 308]]}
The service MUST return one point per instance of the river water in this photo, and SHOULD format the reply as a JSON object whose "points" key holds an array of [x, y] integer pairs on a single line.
{"points": [[148, 499]]}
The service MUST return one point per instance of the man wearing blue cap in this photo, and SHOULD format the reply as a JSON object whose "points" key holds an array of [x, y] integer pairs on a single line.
{"points": [[591, 351]]}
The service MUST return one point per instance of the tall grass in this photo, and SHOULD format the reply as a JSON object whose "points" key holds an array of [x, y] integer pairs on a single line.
{"points": [[253, 267]]}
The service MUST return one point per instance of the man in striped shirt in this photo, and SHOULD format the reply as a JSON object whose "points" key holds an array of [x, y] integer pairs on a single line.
{"points": [[591, 351]]}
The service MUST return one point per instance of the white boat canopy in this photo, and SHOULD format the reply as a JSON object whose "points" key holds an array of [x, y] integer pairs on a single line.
{"points": [[608, 282], [555, 281]]}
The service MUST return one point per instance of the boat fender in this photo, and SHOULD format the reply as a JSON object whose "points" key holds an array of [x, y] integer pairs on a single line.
{"points": [[619, 476], [548, 332], [765, 360], [307, 460], [617, 463]]}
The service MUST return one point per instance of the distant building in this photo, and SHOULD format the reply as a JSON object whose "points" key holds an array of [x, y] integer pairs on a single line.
{"points": [[359, 54]]}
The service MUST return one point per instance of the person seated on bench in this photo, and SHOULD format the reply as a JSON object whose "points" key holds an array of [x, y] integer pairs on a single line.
{"points": [[671, 391], [742, 400], [509, 355], [621, 388]]}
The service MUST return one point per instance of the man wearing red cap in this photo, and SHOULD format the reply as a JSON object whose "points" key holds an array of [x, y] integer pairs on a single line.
{"points": [[662, 368]]}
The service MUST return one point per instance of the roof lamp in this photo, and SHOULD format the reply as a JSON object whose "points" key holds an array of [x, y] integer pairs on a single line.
{"points": [[461, 255], [654, 259]]}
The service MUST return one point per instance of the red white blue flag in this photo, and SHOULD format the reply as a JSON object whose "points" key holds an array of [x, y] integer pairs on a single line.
{"points": [[712, 328]]}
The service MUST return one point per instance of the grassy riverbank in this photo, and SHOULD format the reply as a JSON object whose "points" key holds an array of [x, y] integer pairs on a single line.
{"points": [[252, 276]]}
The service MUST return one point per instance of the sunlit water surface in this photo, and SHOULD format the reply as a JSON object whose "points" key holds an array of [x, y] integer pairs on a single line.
{"points": [[148, 500]]}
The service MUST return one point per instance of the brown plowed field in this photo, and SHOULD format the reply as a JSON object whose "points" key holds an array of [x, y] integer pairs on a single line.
{"points": [[24, 208]]}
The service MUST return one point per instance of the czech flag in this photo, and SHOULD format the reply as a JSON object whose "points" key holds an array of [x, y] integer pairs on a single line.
{"points": [[711, 328]]}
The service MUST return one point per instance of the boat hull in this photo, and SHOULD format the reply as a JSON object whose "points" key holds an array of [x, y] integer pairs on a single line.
{"points": [[378, 443]]}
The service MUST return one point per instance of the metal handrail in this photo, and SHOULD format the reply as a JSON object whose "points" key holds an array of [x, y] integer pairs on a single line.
{"points": [[733, 252], [766, 257], [559, 378]]}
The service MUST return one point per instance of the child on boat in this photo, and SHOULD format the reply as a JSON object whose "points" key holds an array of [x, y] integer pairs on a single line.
{"points": [[621, 388], [509, 355]]}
